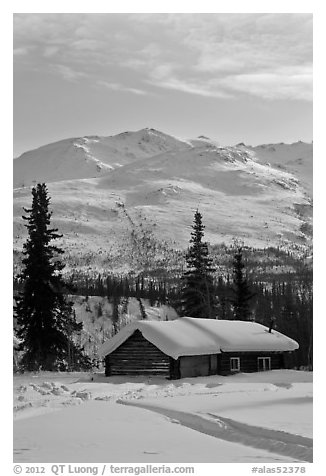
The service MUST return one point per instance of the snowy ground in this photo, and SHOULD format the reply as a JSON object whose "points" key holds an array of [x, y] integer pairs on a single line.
{"points": [[245, 418]]}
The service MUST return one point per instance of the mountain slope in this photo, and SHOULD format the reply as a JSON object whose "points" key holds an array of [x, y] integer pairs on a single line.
{"points": [[236, 194], [295, 158], [140, 206]]}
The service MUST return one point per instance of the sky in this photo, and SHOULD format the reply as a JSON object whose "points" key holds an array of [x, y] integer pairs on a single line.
{"points": [[234, 77]]}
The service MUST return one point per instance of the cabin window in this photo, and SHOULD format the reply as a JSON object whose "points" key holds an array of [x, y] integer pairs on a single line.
{"points": [[235, 364], [264, 363]]}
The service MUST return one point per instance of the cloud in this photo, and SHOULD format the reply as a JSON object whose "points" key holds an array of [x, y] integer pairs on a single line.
{"points": [[294, 84], [164, 76], [51, 51], [212, 55], [20, 51], [68, 73], [223, 55], [120, 87]]}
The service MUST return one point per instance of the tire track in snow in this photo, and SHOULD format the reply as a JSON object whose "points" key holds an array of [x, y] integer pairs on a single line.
{"points": [[278, 442]]}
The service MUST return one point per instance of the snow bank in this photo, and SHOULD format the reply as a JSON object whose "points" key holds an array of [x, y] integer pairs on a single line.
{"points": [[242, 418]]}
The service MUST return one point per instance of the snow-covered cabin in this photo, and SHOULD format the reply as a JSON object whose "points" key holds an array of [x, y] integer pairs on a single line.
{"points": [[190, 347]]}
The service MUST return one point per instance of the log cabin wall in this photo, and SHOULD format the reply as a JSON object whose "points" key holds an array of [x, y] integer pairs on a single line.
{"points": [[248, 361], [137, 356], [289, 359], [198, 365], [194, 365], [175, 368]]}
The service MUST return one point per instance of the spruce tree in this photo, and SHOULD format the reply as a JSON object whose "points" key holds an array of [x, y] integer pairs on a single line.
{"points": [[241, 291], [142, 309], [198, 293], [45, 319]]}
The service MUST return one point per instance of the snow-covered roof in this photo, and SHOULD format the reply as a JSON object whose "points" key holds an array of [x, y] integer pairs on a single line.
{"points": [[191, 336]]}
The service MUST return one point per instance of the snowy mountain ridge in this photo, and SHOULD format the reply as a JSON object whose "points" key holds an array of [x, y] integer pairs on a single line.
{"points": [[135, 193], [89, 156]]}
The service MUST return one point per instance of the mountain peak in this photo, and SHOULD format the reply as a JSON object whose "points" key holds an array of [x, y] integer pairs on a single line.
{"points": [[91, 156], [151, 129]]}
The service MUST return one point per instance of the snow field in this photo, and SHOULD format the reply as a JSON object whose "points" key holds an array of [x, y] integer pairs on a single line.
{"points": [[265, 417], [104, 432]]}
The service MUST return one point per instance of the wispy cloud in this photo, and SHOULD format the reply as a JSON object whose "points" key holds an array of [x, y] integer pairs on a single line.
{"points": [[20, 51], [295, 84], [263, 55], [68, 73], [120, 87], [213, 55]]}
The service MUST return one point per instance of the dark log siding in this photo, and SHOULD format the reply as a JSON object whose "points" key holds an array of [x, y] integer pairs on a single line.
{"points": [[197, 365], [201, 365], [137, 356], [248, 361], [194, 365], [175, 368], [289, 359], [213, 364]]}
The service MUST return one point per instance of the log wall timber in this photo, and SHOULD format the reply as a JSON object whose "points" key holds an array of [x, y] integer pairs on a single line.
{"points": [[137, 356], [198, 365], [248, 361], [194, 365]]}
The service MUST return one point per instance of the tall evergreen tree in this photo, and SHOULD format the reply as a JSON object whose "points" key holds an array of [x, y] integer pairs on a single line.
{"points": [[241, 291], [142, 309], [45, 319], [198, 293]]}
